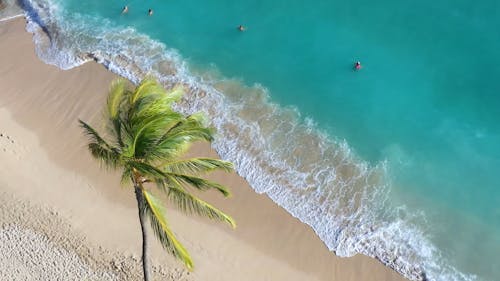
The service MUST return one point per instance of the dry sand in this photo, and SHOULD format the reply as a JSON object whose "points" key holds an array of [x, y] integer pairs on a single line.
{"points": [[64, 218]]}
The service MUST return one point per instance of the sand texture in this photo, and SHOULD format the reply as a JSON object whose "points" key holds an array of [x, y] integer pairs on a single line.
{"points": [[62, 217]]}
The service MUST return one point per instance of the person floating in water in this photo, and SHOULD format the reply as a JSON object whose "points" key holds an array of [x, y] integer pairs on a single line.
{"points": [[150, 12], [241, 28], [125, 10], [357, 66]]}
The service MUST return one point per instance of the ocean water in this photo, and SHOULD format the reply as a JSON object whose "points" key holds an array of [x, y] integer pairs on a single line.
{"points": [[398, 161]]}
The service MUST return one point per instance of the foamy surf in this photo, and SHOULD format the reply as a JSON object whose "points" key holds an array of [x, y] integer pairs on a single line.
{"points": [[312, 175]]}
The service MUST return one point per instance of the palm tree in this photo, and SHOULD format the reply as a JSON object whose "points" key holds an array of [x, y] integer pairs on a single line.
{"points": [[144, 138]]}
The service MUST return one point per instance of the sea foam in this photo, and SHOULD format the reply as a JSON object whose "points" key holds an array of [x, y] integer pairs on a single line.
{"points": [[314, 176]]}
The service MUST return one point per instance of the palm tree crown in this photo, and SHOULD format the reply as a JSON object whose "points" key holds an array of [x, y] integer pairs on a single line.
{"points": [[144, 138]]}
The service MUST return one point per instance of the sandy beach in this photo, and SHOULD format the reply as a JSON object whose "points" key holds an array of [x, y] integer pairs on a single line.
{"points": [[62, 217]]}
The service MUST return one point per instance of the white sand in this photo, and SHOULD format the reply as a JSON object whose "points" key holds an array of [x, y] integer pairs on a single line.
{"points": [[63, 218]]}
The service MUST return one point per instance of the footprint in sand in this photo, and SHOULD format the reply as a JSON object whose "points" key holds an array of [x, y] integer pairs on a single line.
{"points": [[9, 145]]}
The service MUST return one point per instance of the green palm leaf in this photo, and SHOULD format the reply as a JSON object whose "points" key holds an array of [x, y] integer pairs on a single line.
{"points": [[147, 88], [107, 156], [191, 204], [93, 134], [115, 103], [154, 103], [149, 131], [194, 123], [156, 214], [99, 148], [198, 166], [199, 183], [126, 176], [175, 143], [147, 171], [115, 98]]}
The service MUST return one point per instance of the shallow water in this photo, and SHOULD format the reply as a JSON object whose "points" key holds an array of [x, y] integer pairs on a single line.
{"points": [[416, 174]]}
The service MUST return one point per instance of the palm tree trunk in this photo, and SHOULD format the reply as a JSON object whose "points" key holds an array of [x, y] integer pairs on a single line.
{"points": [[142, 218]]}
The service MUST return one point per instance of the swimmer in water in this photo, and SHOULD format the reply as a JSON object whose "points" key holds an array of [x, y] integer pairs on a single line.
{"points": [[125, 10], [150, 12], [241, 28], [357, 66]]}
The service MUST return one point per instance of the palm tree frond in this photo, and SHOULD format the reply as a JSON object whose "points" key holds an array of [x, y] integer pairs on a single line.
{"points": [[182, 136], [200, 184], [104, 154], [148, 87], [194, 123], [175, 94], [93, 134], [126, 176], [148, 131], [115, 98], [156, 214], [99, 148], [197, 118], [191, 204], [117, 94], [146, 170], [198, 165]]}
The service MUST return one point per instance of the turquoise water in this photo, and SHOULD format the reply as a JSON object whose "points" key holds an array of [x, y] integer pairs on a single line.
{"points": [[425, 106]]}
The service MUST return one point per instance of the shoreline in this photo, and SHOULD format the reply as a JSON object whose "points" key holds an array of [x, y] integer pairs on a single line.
{"points": [[259, 249]]}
